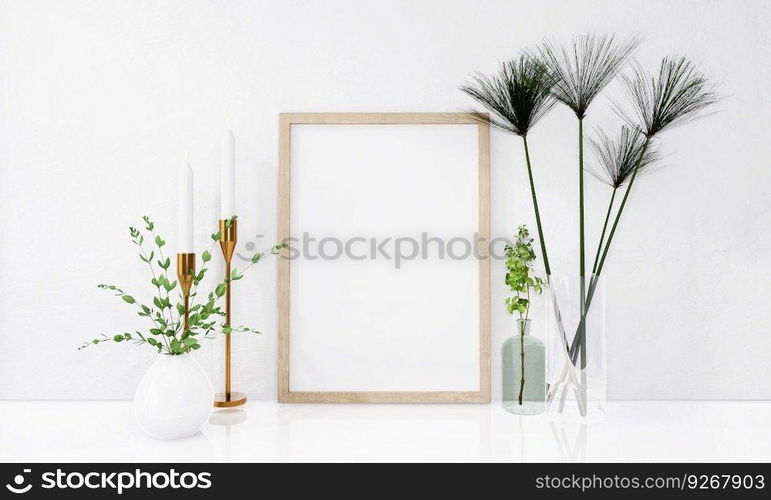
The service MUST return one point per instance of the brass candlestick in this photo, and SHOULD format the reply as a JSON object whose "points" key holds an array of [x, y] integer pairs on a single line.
{"points": [[185, 273], [228, 238]]}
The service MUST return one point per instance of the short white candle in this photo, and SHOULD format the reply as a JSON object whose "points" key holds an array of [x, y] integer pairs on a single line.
{"points": [[228, 175], [186, 208]]}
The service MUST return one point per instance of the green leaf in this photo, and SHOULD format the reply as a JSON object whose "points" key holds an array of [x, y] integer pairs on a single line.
{"points": [[180, 309], [169, 286], [256, 258], [152, 341], [157, 302], [226, 329], [118, 338], [277, 248], [176, 346], [220, 290], [206, 256], [190, 341], [128, 299], [159, 241], [216, 236]]}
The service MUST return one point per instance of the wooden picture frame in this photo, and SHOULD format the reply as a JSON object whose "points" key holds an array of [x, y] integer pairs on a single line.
{"points": [[285, 394]]}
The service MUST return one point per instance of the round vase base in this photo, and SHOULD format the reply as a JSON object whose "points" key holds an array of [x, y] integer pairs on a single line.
{"points": [[526, 408], [221, 400]]}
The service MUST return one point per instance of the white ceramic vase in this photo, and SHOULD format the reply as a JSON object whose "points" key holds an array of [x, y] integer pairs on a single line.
{"points": [[174, 398]]}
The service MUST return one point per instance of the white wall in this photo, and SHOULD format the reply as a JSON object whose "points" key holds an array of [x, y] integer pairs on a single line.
{"points": [[100, 99]]}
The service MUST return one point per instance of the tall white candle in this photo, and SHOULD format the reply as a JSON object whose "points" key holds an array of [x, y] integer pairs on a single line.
{"points": [[228, 175], [185, 208]]}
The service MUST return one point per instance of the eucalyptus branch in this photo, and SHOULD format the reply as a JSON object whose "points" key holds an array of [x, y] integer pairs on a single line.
{"points": [[164, 263], [167, 333], [143, 309], [121, 338], [204, 316], [158, 280]]}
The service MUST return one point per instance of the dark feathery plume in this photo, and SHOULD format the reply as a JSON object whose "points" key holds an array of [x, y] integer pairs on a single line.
{"points": [[517, 97], [617, 159], [581, 70], [677, 95]]}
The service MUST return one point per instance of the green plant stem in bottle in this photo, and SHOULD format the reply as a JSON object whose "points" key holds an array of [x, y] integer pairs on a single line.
{"points": [[524, 367], [524, 372]]}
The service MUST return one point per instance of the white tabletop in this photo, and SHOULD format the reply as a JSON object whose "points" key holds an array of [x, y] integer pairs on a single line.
{"points": [[265, 431]]}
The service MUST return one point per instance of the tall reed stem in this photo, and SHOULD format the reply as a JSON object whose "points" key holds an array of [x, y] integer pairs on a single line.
{"points": [[535, 209], [604, 229], [522, 360], [621, 207], [579, 338], [581, 245]]}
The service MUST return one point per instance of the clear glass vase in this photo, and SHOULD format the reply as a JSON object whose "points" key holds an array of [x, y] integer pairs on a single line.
{"points": [[524, 372], [575, 339]]}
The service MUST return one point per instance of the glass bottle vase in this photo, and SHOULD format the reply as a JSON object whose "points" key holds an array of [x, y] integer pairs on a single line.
{"points": [[524, 372]]}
